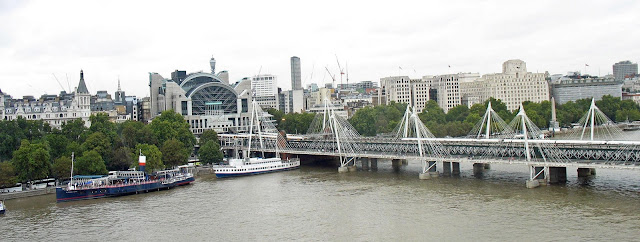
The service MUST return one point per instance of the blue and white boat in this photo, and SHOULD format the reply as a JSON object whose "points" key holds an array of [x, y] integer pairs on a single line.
{"points": [[257, 165], [2, 208], [120, 183], [254, 166]]}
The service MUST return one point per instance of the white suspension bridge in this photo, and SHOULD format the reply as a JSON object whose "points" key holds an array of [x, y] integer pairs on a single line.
{"points": [[594, 144]]}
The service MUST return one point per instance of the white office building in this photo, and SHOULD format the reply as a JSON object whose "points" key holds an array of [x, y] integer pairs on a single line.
{"points": [[513, 86]]}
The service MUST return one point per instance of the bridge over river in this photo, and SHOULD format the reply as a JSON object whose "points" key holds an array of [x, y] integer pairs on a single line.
{"points": [[492, 141]]}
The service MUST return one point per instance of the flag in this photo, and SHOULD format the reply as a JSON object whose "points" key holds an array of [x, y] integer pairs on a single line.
{"points": [[586, 64]]}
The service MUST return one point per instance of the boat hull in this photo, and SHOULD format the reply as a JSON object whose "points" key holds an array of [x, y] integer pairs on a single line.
{"points": [[236, 174], [63, 195]]}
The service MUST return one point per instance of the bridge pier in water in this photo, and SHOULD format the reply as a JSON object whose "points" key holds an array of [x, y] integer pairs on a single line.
{"points": [[374, 163], [364, 163], [478, 169], [455, 167], [586, 172], [446, 168], [557, 175]]}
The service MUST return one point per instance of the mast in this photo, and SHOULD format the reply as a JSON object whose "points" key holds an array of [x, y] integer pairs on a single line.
{"points": [[72, 156]]}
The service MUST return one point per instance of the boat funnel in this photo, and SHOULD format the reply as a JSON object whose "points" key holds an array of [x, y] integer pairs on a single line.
{"points": [[142, 162]]}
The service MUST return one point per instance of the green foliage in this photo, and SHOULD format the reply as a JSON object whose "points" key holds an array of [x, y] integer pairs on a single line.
{"points": [[31, 161], [61, 167], [58, 144], [457, 113], [73, 130], [370, 121], [74, 148], [210, 153], [100, 143], [7, 174], [170, 125], [296, 122], [134, 132], [174, 153], [277, 115], [90, 163], [153, 154], [432, 113], [207, 135], [121, 160]]}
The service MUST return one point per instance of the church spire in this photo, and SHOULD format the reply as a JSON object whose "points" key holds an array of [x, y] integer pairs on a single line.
{"points": [[82, 86]]}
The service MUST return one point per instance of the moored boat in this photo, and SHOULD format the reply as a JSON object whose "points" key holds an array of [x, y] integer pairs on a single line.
{"points": [[257, 165], [254, 166], [2, 208], [120, 183]]}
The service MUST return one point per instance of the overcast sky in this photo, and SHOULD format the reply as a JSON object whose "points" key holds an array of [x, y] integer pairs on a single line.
{"points": [[129, 39]]}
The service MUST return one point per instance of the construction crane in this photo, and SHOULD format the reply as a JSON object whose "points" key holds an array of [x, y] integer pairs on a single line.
{"points": [[331, 75], [54, 76], [341, 71]]}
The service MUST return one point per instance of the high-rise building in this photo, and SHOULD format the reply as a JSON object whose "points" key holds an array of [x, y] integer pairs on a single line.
{"points": [[444, 89], [265, 90], [296, 76], [513, 86], [624, 69]]}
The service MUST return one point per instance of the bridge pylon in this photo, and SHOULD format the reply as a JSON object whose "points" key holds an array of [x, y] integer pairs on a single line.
{"points": [[491, 126], [412, 128]]}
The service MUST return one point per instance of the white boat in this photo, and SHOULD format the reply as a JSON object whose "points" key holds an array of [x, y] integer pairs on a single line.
{"points": [[2, 209], [256, 165]]}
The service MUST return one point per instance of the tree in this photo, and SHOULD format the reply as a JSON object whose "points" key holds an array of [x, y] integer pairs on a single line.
{"points": [[134, 132], [209, 134], [73, 129], [170, 125], [74, 148], [457, 113], [7, 174], [90, 163], [121, 160], [58, 144], [174, 153], [61, 167], [31, 161], [277, 115], [210, 153], [99, 142], [296, 122], [10, 138], [432, 113], [153, 154]]}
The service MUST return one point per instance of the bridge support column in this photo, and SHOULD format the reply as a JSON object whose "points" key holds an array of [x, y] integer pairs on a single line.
{"points": [[433, 171], [343, 169], [542, 175], [557, 175], [446, 168], [487, 166], [364, 163], [532, 183], [455, 166], [396, 162], [352, 168], [478, 169], [586, 172], [374, 163], [424, 176]]}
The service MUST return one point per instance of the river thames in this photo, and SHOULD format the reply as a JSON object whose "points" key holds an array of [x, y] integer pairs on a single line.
{"points": [[318, 203]]}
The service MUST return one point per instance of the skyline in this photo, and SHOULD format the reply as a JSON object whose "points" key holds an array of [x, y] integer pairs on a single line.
{"points": [[143, 38]]}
